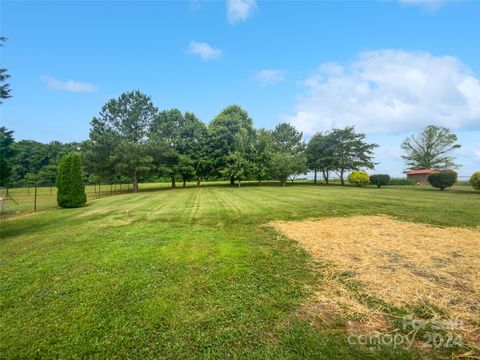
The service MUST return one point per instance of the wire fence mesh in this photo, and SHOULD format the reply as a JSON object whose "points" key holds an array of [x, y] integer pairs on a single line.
{"points": [[35, 198]]}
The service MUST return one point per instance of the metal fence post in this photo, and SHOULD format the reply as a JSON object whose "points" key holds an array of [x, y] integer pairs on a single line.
{"points": [[35, 199]]}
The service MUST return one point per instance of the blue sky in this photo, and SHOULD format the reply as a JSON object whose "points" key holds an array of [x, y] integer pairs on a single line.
{"points": [[388, 67]]}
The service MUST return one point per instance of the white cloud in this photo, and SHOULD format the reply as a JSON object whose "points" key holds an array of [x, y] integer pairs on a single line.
{"points": [[389, 91], [68, 85], [240, 10], [269, 76], [430, 5], [204, 50], [477, 154]]}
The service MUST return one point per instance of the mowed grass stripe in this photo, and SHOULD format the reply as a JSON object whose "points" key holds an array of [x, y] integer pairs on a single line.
{"points": [[194, 214]]}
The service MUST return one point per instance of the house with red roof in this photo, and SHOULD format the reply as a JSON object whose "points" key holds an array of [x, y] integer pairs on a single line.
{"points": [[419, 176]]}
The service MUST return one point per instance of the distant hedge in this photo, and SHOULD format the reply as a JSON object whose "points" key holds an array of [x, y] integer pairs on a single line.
{"points": [[380, 180], [442, 179], [475, 180], [71, 190], [401, 181]]}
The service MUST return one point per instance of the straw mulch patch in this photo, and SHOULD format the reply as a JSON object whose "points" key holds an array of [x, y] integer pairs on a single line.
{"points": [[402, 264]]}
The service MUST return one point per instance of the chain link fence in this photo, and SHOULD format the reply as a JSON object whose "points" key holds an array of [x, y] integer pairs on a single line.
{"points": [[15, 200]]}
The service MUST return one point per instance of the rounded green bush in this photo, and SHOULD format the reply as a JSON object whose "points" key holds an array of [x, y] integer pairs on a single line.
{"points": [[442, 179], [475, 180], [358, 178], [380, 179]]}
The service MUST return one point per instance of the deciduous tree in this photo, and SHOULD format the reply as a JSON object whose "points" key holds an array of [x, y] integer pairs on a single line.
{"points": [[284, 165], [261, 154], [432, 148], [223, 132], [349, 151], [238, 164], [286, 139], [6, 155], [178, 142], [319, 153], [186, 169]]}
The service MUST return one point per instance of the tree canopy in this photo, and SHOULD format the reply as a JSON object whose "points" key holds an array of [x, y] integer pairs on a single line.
{"points": [[319, 153], [432, 148], [286, 139], [120, 135], [6, 154], [5, 91], [224, 142], [340, 150], [132, 139]]}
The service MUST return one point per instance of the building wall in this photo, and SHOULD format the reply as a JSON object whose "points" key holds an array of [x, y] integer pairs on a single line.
{"points": [[418, 178]]}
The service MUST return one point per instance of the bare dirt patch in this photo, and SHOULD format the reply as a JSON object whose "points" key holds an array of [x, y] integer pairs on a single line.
{"points": [[402, 264]]}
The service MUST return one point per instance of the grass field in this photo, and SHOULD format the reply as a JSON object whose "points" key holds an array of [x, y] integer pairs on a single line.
{"points": [[22, 199], [190, 273]]}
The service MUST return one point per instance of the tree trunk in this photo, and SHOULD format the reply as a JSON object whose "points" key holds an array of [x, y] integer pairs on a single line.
{"points": [[315, 177], [239, 183], [173, 183], [325, 176], [135, 181], [342, 181], [198, 182], [284, 183], [232, 180], [184, 182]]}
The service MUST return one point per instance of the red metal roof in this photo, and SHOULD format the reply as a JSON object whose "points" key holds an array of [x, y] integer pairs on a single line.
{"points": [[421, 171]]}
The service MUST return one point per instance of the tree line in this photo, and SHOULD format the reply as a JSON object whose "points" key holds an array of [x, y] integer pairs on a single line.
{"points": [[28, 162], [131, 139]]}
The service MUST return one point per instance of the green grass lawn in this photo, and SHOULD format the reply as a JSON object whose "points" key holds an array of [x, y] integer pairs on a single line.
{"points": [[187, 273], [22, 199]]}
